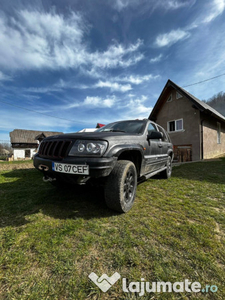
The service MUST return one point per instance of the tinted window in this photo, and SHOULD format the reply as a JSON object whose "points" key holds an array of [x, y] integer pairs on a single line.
{"points": [[165, 137], [151, 127]]}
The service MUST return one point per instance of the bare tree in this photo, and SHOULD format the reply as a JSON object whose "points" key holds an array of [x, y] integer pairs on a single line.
{"points": [[6, 146], [218, 102]]}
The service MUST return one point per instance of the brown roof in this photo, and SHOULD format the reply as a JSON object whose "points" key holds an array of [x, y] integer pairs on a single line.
{"points": [[202, 106], [29, 136]]}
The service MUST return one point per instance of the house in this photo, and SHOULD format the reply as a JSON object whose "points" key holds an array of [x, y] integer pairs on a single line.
{"points": [[25, 142], [197, 130]]}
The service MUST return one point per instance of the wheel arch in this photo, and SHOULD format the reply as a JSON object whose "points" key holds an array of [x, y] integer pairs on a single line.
{"points": [[134, 156]]}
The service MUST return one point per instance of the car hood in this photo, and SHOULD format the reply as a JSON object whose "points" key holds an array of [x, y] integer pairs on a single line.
{"points": [[93, 136]]}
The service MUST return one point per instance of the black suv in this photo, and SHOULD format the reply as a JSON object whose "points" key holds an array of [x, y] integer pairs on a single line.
{"points": [[119, 155]]}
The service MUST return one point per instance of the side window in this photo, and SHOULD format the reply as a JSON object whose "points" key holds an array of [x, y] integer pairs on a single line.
{"points": [[178, 96], [169, 99], [176, 125], [151, 127], [164, 135]]}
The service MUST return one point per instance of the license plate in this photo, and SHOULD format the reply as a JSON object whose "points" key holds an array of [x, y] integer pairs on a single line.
{"points": [[70, 169]]}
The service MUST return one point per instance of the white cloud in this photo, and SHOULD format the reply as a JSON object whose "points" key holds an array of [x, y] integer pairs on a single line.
{"points": [[151, 4], [4, 77], [137, 79], [168, 39], [108, 102], [131, 61], [37, 40], [70, 105], [114, 86], [94, 101], [89, 102], [217, 9], [156, 59], [114, 56], [174, 4], [98, 101], [171, 38], [209, 13], [121, 4], [137, 109], [93, 72]]}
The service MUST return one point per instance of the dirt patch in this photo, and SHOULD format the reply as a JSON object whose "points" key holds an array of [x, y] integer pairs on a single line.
{"points": [[13, 166]]}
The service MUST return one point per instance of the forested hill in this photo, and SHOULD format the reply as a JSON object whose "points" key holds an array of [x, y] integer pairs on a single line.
{"points": [[217, 102]]}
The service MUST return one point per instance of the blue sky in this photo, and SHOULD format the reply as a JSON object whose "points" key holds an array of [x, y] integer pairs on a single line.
{"points": [[103, 60]]}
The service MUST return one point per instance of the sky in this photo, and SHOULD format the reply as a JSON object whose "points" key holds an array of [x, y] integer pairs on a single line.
{"points": [[99, 61]]}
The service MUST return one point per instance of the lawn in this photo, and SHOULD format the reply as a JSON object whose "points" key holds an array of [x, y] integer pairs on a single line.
{"points": [[51, 240], [13, 165]]}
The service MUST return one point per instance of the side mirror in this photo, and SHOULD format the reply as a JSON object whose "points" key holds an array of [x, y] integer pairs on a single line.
{"points": [[154, 135]]}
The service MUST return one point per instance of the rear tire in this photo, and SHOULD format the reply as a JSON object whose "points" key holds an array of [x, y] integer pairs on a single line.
{"points": [[168, 171], [121, 185]]}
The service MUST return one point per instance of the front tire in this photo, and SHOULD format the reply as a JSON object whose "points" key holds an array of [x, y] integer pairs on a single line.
{"points": [[121, 185]]}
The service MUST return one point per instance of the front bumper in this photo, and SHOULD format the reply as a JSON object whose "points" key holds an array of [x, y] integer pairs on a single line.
{"points": [[98, 167]]}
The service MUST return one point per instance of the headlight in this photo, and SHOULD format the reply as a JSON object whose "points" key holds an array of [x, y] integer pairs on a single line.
{"points": [[87, 147]]}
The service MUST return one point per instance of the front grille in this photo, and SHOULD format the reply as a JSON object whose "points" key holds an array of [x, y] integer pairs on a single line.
{"points": [[54, 149]]}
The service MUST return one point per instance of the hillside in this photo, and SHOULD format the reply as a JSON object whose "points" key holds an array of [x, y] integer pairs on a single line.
{"points": [[217, 102]]}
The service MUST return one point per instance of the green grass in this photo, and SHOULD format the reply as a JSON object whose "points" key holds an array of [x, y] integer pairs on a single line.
{"points": [[15, 162], [51, 240]]}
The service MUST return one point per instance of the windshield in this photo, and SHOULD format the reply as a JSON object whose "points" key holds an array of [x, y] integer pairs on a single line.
{"points": [[135, 126]]}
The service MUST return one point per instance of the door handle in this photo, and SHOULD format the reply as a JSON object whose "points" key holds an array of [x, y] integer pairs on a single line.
{"points": [[160, 145]]}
